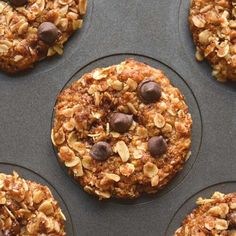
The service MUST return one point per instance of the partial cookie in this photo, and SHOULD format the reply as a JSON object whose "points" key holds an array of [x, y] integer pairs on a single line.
{"points": [[31, 30], [122, 130], [213, 25], [28, 208], [214, 217]]}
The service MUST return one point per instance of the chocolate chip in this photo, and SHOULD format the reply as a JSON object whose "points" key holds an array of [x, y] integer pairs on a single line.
{"points": [[231, 217], [101, 151], [157, 146], [48, 32], [18, 3], [120, 122], [149, 91]]}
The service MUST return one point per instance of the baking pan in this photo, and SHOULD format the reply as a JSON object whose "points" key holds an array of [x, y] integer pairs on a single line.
{"points": [[152, 31]]}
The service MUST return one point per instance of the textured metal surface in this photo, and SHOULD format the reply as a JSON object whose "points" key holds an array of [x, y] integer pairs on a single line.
{"points": [[114, 30]]}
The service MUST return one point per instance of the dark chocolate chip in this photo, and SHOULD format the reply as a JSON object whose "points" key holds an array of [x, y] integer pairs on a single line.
{"points": [[18, 3], [120, 122], [48, 32], [101, 151], [231, 217], [149, 91], [157, 146]]}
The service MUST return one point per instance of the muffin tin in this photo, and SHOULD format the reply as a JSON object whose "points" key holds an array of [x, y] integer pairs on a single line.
{"points": [[155, 32]]}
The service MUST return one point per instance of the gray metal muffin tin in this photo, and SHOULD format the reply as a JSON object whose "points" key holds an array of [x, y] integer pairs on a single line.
{"points": [[152, 31]]}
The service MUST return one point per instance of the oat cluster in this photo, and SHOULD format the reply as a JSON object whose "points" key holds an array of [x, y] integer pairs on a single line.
{"points": [[215, 216], [28, 208], [81, 120], [213, 25], [20, 46]]}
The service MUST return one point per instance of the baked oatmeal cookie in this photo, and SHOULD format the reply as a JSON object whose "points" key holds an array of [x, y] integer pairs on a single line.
{"points": [[31, 30], [213, 25], [28, 208], [214, 217], [122, 130]]}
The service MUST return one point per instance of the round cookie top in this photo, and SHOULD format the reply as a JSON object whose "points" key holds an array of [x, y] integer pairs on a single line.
{"points": [[214, 216], [122, 130], [31, 30], [28, 208], [213, 25]]}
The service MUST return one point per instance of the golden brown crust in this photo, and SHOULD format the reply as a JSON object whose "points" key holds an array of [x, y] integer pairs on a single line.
{"points": [[211, 218], [213, 25], [82, 119], [20, 46], [28, 208]]}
